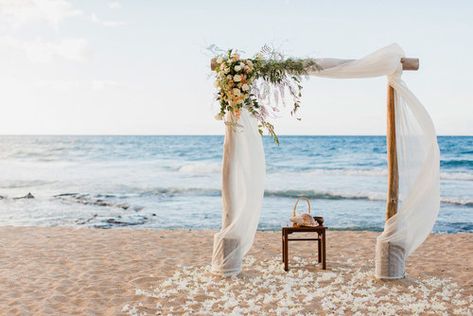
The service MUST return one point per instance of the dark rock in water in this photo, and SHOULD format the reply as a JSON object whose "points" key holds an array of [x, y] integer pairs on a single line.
{"points": [[2, 197], [154, 214], [81, 221], [28, 196], [123, 206], [98, 200], [114, 222], [103, 226], [66, 194], [125, 223], [107, 196], [99, 203]]}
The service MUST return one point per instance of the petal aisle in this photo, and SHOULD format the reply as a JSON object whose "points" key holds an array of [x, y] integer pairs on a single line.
{"points": [[264, 288]]}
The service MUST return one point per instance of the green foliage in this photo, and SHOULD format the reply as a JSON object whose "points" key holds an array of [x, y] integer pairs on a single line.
{"points": [[269, 66]]}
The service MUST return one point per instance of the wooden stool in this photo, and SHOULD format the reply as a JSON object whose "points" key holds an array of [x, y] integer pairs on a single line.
{"points": [[320, 230]]}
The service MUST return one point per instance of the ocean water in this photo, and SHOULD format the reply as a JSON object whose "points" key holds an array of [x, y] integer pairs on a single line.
{"points": [[174, 181]]}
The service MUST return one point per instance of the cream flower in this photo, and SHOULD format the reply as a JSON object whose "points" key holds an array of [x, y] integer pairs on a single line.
{"points": [[237, 78], [245, 87], [237, 68], [219, 117], [236, 92], [219, 60]]}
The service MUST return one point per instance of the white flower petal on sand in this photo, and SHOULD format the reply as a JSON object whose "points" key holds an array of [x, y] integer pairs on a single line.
{"points": [[265, 288]]}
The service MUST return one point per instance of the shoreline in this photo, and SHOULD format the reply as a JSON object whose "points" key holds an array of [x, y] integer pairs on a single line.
{"points": [[80, 270], [212, 230]]}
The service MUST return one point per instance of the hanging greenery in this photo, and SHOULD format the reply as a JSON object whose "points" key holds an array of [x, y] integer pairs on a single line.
{"points": [[259, 85]]}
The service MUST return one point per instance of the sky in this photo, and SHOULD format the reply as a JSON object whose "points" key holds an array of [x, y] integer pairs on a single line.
{"points": [[142, 66]]}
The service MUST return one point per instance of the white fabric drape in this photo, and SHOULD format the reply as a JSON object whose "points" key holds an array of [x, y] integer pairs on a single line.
{"points": [[418, 163], [419, 184], [243, 176], [417, 156]]}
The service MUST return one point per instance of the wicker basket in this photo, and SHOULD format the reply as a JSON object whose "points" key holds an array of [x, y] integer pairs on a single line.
{"points": [[304, 219]]}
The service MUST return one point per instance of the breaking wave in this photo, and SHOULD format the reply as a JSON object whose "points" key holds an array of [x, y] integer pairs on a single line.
{"points": [[311, 194]]}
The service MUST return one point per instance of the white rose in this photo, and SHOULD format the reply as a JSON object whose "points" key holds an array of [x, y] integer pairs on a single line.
{"points": [[237, 78], [237, 68], [245, 87], [219, 60], [226, 70], [249, 63], [229, 77], [236, 92]]}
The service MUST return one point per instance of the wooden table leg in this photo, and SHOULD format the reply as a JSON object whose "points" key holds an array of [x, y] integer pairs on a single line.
{"points": [[324, 261], [286, 253], [319, 250], [282, 247]]}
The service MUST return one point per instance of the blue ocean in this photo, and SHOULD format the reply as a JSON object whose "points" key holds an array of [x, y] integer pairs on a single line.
{"points": [[174, 181]]}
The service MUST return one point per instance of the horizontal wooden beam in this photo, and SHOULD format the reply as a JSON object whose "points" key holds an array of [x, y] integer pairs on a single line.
{"points": [[410, 63], [407, 63]]}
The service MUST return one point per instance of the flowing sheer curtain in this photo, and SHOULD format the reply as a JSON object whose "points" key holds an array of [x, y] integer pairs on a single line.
{"points": [[243, 176], [418, 162], [417, 156], [419, 184]]}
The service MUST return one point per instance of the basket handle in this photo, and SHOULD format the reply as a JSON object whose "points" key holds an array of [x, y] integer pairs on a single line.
{"points": [[297, 202]]}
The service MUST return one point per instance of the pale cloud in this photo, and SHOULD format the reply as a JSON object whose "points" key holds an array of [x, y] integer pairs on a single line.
{"points": [[75, 85], [19, 12], [59, 85], [41, 51], [106, 23], [98, 85], [114, 5]]}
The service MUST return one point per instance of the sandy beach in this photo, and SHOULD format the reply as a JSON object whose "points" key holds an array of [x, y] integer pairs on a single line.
{"points": [[82, 271]]}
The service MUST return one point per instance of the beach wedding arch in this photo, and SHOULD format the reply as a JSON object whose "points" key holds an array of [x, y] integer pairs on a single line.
{"points": [[249, 92]]}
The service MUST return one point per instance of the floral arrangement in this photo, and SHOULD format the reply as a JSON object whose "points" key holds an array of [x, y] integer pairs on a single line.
{"points": [[258, 85]]}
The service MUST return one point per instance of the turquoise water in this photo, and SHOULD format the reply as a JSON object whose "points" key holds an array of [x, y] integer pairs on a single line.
{"points": [[174, 181]]}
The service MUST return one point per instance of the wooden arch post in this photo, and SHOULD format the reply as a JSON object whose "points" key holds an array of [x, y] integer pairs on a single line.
{"points": [[391, 148]]}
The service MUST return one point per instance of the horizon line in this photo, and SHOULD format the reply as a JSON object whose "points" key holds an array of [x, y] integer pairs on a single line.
{"points": [[199, 135]]}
